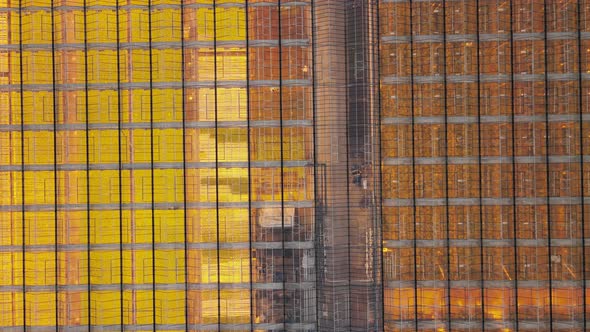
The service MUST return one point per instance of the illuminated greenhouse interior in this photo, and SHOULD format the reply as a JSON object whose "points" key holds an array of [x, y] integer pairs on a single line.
{"points": [[294, 165]]}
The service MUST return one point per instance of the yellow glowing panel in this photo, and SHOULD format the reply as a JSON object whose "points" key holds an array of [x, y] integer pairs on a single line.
{"points": [[206, 143], [137, 266], [37, 107], [105, 267], [39, 187], [69, 26], [72, 187], [73, 268], [39, 228], [73, 306], [206, 102], [234, 266], [3, 28], [235, 306], [201, 225], [75, 2], [37, 67], [10, 68], [71, 106], [231, 104], [167, 105], [104, 186], [11, 308], [11, 268], [205, 263], [166, 2], [196, 147], [205, 65], [14, 29], [104, 146], [167, 145], [40, 268], [139, 23], [135, 2], [233, 184], [139, 67], [205, 230], [201, 185], [36, 27], [41, 309], [106, 307], [102, 26], [231, 64], [232, 144], [170, 305], [103, 106], [205, 24], [37, 3], [8, 106], [137, 226], [166, 65], [10, 188], [10, 223], [104, 226], [142, 145], [166, 24], [203, 306], [169, 226], [168, 186], [10, 148], [140, 106], [14, 68], [102, 66], [71, 147], [233, 225], [4, 63], [138, 307], [39, 147], [72, 227], [169, 266], [230, 23]]}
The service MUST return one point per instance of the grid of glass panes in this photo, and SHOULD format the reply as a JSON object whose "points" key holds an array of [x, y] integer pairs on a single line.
{"points": [[483, 122], [158, 143]]}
